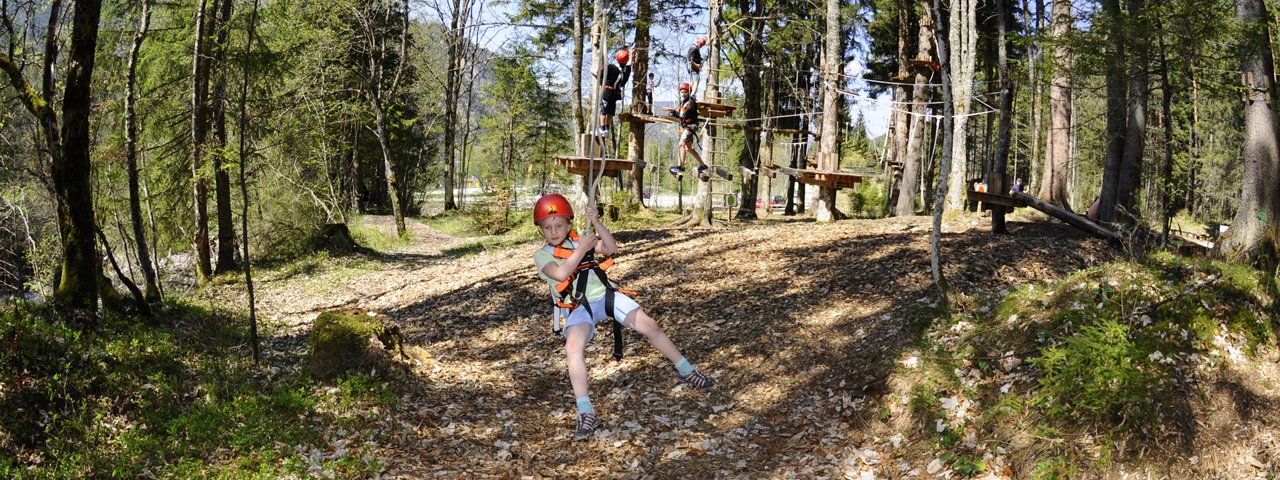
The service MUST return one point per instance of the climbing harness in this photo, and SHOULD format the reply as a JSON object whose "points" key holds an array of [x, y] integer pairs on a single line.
{"points": [[569, 294]]}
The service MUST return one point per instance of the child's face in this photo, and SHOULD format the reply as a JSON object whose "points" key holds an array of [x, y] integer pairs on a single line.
{"points": [[554, 229]]}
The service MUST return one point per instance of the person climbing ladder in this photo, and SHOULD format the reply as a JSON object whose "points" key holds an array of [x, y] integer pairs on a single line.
{"points": [[687, 112], [615, 79], [564, 257]]}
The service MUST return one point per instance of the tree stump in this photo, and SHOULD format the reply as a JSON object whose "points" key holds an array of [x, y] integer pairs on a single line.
{"points": [[352, 341], [336, 238]]}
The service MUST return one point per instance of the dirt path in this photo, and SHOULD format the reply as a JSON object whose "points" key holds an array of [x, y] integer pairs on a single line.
{"points": [[801, 323]]}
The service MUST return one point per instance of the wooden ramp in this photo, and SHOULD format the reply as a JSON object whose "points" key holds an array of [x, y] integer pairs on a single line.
{"points": [[613, 167], [1069, 217], [822, 178], [1020, 200]]}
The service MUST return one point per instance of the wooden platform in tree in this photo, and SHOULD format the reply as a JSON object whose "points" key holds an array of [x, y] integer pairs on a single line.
{"points": [[715, 110], [613, 167], [822, 178]]}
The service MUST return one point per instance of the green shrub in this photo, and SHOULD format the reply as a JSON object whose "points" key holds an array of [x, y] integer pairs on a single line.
{"points": [[1101, 374]]}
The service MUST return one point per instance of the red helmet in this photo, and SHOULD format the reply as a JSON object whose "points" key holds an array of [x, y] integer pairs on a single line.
{"points": [[553, 205], [685, 87], [702, 41], [622, 56]]}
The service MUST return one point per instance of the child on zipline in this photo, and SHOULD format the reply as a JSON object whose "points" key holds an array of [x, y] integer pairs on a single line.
{"points": [[553, 215], [687, 112], [615, 79]]}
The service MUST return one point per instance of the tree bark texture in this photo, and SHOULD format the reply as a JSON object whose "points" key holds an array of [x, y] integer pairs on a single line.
{"points": [[901, 121], [81, 265], [1054, 187], [752, 93], [221, 178], [828, 152], [963, 35], [702, 204], [452, 85], [998, 179], [909, 187], [199, 133], [1135, 133], [578, 34], [151, 289], [640, 68], [1116, 100], [1253, 235]]}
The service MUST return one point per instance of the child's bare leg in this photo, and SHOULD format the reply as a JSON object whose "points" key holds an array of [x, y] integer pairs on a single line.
{"points": [[575, 346], [695, 154], [645, 325]]}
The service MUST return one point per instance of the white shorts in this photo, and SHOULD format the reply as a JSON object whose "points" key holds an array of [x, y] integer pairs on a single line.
{"points": [[623, 305]]}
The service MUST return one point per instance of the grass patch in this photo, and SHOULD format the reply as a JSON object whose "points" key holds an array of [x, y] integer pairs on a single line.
{"points": [[1112, 349], [130, 398], [372, 238]]}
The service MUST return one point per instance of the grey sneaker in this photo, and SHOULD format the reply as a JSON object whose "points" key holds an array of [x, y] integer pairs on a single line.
{"points": [[698, 379], [587, 423]]}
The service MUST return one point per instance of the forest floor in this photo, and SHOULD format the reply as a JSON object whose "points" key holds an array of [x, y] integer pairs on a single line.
{"points": [[813, 333]]}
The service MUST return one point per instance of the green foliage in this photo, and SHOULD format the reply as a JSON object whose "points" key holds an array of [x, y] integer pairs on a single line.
{"points": [[867, 199], [176, 399], [372, 238], [1099, 375]]}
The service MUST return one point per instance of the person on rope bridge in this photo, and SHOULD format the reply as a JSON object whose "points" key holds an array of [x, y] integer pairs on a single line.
{"points": [[615, 79], [694, 56], [567, 263], [687, 112]]}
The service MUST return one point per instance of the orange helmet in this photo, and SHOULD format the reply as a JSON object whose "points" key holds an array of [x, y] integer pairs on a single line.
{"points": [[685, 87], [702, 41], [553, 205], [622, 56]]}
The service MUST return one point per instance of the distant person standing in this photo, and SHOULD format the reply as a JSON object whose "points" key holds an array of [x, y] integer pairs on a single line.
{"points": [[615, 79], [649, 86], [694, 56]]}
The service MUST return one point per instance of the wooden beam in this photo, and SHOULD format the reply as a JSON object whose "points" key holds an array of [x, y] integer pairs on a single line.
{"points": [[824, 178], [1069, 217], [988, 198]]}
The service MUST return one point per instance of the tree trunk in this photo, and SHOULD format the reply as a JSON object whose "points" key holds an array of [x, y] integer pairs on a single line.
{"points": [[752, 91], [1166, 190], [1033, 79], [901, 121], [908, 188], [944, 168], [71, 176], [244, 189], [640, 67], [578, 34], [702, 206], [152, 291], [964, 52], [452, 84], [1130, 173], [828, 154], [199, 130], [1254, 236], [1054, 179], [221, 178], [1116, 99], [998, 180]]}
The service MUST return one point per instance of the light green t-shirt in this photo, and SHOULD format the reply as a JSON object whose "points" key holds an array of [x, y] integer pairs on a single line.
{"points": [[595, 289]]}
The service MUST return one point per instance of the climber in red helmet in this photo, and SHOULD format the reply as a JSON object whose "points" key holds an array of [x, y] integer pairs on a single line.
{"points": [[615, 79]]}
